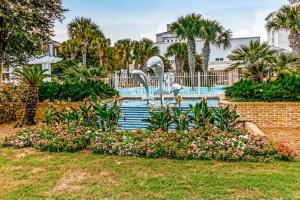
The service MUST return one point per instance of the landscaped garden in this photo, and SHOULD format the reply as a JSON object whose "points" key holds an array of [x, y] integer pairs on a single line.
{"points": [[63, 138]]}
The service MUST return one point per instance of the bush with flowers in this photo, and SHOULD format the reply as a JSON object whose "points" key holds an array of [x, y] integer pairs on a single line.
{"points": [[202, 133], [203, 144], [209, 143], [58, 139]]}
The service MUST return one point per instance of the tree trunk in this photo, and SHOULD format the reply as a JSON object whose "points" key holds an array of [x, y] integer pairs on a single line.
{"points": [[84, 57], [73, 56], [31, 106], [1, 71], [206, 56], [294, 39], [192, 59], [177, 63], [101, 54]]}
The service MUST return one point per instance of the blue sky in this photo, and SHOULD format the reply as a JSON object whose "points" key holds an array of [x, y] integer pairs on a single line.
{"points": [[136, 19]]}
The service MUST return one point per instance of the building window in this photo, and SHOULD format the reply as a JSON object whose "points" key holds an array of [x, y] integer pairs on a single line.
{"points": [[219, 59]]}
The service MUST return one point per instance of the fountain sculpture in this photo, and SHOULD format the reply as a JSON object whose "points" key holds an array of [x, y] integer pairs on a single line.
{"points": [[176, 89], [141, 77], [156, 64]]}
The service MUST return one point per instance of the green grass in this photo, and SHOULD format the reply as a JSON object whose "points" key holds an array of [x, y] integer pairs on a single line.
{"points": [[30, 174]]}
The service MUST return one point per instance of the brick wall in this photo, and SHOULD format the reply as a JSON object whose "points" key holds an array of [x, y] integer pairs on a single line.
{"points": [[268, 115], [45, 105]]}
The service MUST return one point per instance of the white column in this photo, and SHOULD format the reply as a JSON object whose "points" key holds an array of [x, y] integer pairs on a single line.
{"points": [[230, 78], [47, 66], [116, 81]]}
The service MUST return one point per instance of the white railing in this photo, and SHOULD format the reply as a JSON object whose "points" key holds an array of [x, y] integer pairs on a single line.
{"points": [[202, 82]]}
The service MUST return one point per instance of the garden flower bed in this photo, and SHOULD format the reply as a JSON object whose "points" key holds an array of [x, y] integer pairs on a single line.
{"points": [[203, 144]]}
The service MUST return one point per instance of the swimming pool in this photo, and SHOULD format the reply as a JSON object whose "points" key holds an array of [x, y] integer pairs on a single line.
{"points": [[135, 111], [186, 91], [186, 102]]}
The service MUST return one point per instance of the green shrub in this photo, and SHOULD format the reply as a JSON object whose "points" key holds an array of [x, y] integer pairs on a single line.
{"points": [[76, 91], [199, 116], [58, 139], [286, 89], [202, 144]]}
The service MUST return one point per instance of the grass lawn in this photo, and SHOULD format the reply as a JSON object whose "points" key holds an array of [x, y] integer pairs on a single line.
{"points": [[30, 174]]}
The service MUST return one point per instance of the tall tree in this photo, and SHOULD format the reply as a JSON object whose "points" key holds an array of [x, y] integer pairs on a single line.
{"points": [[69, 49], [167, 64], [180, 52], [286, 64], [288, 18], [26, 28], [124, 49], [33, 77], [144, 50], [212, 33], [187, 27], [100, 46], [294, 1], [83, 30], [256, 57]]}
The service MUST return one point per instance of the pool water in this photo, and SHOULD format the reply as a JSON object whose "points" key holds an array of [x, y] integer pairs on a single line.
{"points": [[186, 102], [140, 91]]}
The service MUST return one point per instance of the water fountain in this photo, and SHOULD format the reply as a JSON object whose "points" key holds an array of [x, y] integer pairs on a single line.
{"points": [[141, 77], [156, 64]]}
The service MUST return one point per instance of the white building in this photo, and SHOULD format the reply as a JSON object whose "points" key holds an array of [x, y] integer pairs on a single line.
{"points": [[8, 72], [279, 39], [218, 58]]}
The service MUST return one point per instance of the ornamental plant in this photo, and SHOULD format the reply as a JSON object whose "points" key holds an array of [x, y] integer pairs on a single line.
{"points": [[209, 143], [58, 139], [160, 118], [286, 89], [92, 114]]}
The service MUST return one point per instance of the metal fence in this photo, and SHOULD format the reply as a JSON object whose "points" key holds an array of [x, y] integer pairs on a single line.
{"points": [[209, 79], [201, 83]]}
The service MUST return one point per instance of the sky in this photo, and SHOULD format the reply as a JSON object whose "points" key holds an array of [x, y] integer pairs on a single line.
{"points": [[136, 19]]}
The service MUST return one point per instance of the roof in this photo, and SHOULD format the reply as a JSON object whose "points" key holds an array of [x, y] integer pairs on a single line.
{"points": [[270, 15], [164, 33]]}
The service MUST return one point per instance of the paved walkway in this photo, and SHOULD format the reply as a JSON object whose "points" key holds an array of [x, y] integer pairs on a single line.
{"points": [[286, 136]]}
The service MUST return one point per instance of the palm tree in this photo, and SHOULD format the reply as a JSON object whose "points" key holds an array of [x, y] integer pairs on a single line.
{"points": [[100, 46], [124, 49], [167, 64], [257, 58], [180, 51], [69, 49], [33, 77], [285, 64], [187, 27], [83, 30], [212, 33], [74, 74], [144, 50], [294, 1], [288, 18]]}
